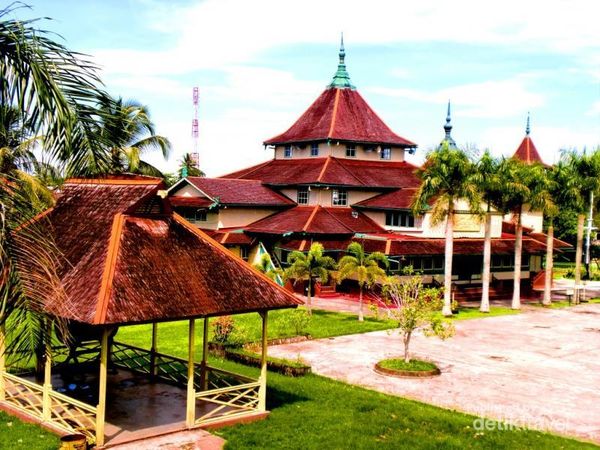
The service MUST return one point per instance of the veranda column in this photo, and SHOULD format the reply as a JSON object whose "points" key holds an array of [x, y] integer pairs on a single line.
{"points": [[101, 409], [262, 392], [190, 416], [46, 402], [204, 372], [153, 351], [2, 364]]}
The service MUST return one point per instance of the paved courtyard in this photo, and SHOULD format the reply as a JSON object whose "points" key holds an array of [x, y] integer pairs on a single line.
{"points": [[539, 369]]}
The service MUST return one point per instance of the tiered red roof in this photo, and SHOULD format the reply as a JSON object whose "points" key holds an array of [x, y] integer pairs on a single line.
{"points": [[528, 153], [340, 115], [315, 220], [398, 199], [128, 259], [233, 192], [397, 244], [332, 171]]}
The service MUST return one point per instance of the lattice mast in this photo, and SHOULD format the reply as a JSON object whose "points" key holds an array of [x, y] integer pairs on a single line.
{"points": [[195, 154]]}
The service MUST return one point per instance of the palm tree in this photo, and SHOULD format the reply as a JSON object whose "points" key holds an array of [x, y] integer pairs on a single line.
{"points": [[525, 187], [129, 132], [188, 164], [44, 89], [265, 265], [446, 177], [366, 269], [487, 177], [585, 176], [308, 266]]}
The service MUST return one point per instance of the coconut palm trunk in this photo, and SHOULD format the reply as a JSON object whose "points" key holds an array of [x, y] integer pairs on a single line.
{"points": [[549, 265], [308, 296], [578, 254], [361, 316], [487, 260], [516, 300], [447, 309]]}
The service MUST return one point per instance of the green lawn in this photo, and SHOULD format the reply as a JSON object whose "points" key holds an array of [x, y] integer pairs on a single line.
{"points": [[466, 313], [565, 304], [314, 412], [172, 336], [15, 434]]}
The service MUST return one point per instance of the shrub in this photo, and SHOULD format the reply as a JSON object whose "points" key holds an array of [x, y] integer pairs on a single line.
{"points": [[222, 329], [298, 320]]}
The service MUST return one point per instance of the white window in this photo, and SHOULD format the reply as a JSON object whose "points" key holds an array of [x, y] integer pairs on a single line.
{"points": [[386, 153], [287, 152], [339, 197], [314, 149], [302, 196], [244, 251], [350, 151], [399, 219]]}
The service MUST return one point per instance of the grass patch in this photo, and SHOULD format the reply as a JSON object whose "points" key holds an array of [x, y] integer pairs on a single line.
{"points": [[172, 336], [314, 412], [415, 365], [467, 313], [559, 304], [15, 434]]}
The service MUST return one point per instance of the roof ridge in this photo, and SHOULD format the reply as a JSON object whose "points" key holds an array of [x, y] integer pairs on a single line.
{"points": [[109, 268], [250, 169], [338, 220], [336, 102], [324, 168], [349, 171], [310, 218]]}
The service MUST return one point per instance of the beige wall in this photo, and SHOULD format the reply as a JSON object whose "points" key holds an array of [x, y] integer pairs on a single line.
{"points": [[339, 150], [239, 217], [187, 191], [531, 219]]}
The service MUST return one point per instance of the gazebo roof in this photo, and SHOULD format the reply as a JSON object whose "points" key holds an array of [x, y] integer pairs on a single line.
{"points": [[129, 259]]}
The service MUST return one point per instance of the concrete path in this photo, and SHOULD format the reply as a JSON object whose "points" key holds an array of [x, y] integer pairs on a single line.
{"points": [[539, 369]]}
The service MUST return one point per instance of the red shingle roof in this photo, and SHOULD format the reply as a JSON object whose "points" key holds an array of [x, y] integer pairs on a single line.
{"points": [[191, 202], [229, 236], [315, 220], [332, 171], [239, 192], [398, 199], [527, 152], [340, 115], [124, 263]]}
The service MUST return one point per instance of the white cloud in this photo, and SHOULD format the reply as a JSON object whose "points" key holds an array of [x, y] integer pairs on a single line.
{"points": [[504, 98]]}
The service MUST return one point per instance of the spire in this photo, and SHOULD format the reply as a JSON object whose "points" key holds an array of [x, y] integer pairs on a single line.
{"points": [[448, 129], [527, 128], [341, 79]]}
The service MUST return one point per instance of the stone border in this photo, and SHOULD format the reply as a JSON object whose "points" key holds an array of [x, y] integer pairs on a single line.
{"points": [[407, 373]]}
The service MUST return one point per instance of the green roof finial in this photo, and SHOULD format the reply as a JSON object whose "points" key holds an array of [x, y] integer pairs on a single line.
{"points": [[527, 128], [448, 130], [341, 79], [184, 172]]}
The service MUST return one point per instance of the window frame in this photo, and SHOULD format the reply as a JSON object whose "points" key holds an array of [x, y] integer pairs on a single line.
{"points": [[342, 197], [288, 152], [386, 153], [350, 151], [314, 150], [303, 190], [400, 219]]}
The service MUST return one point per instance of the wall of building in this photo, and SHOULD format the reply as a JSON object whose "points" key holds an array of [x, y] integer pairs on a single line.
{"points": [[339, 151], [323, 197], [531, 219], [239, 217], [187, 191]]}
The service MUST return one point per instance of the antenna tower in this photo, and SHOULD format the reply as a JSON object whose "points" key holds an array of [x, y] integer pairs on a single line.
{"points": [[195, 155]]}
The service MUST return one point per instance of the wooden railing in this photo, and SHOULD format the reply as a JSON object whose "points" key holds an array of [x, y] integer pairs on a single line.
{"points": [[66, 413], [233, 394]]}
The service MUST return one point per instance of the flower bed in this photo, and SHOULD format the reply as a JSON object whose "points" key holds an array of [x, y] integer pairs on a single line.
{"points": [[397, 367]]}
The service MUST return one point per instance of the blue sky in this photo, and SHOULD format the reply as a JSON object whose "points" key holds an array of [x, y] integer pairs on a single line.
{"points": [[260, 64]]}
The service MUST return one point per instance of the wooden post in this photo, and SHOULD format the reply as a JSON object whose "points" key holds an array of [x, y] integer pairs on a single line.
{"points": [[204, 372], [262, 391], [101, 409], [46, 401], [2, 364], [153, 351], [190, 416]]}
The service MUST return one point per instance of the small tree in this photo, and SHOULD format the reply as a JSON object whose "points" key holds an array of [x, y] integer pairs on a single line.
{"points": [[366, 269], [308, 266], [265, 265], [415, 307]]}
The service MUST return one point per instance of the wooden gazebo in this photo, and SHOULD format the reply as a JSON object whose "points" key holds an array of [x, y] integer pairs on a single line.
{"points": [[130, 260]]}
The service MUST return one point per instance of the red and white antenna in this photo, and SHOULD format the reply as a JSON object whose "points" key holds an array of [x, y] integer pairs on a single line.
{"points": [[195, 155]]}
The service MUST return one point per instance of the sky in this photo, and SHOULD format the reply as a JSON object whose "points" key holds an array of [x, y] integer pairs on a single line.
{"points": [[260, 64]]}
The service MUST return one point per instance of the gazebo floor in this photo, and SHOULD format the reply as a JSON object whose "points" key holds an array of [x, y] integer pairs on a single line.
{"points": [[137, 407]]}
